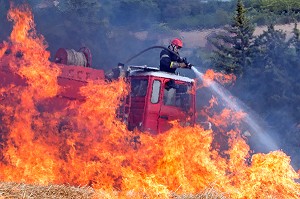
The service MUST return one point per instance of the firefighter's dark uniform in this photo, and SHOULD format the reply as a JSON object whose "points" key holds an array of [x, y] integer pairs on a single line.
{"points": [[166, 59]]}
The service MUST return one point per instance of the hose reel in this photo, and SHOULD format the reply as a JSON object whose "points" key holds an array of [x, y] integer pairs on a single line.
{"points": [[82, 57]]}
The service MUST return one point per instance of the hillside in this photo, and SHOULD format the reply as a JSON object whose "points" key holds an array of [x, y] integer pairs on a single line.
{"points": [[196, 39]]}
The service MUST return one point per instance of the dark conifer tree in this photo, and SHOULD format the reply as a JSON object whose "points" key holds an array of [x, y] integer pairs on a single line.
{"points": [[271, 48], [233, 46], [295, 41]]}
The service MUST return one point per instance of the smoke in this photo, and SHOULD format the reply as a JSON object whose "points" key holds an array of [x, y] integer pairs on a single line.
{"points": [[113, 35]]}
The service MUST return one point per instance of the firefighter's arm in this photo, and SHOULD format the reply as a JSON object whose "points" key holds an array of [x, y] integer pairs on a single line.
{"points": [[181, 63], [175, 64]]}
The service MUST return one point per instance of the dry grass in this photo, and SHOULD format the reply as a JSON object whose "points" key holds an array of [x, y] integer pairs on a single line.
{"points": [[11, 190], [209, 193]]}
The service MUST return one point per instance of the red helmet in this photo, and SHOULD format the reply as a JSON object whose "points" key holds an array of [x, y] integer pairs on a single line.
{"points": [[177, 42]]}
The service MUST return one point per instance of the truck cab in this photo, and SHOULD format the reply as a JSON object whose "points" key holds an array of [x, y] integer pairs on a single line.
{"points": [[157, 98]]}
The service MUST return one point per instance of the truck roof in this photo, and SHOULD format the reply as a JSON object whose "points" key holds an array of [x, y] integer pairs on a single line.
{"points": [[151, 71]]}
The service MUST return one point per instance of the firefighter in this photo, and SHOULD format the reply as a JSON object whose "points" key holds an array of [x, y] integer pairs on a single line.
{"points": [[170, 61]]}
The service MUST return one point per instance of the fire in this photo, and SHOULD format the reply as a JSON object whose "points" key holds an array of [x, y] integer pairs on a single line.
{"points": [[220, 77], [85, 144], [210, 76]]}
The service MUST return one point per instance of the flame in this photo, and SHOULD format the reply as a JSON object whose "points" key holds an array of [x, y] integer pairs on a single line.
{"points": [[220, 77], [210, 76], [85, 144]]}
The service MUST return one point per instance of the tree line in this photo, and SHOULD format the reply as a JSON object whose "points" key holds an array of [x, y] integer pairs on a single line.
{"points": [[106, 26]]}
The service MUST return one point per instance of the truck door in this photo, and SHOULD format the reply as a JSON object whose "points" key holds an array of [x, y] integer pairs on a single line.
{"points": [[138, 101], [176, 104], [145, 104], [153, 107]]}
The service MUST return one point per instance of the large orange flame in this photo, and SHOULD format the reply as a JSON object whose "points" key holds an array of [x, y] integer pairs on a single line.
{"points": [[85, 144], [220, 77]]}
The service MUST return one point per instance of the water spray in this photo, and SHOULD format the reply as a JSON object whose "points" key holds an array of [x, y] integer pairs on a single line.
{"points": [[239, 106]]}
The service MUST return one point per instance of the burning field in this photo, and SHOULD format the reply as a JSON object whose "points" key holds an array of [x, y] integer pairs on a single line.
{"points": [[83, 144]]}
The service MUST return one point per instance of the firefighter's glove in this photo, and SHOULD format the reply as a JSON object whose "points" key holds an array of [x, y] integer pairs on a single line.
{"points": [[187, 64], [182, 65]]}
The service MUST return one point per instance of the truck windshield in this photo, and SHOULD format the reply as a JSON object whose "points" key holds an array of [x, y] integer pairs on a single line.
{"points": [[139, 87], [178, 95]]}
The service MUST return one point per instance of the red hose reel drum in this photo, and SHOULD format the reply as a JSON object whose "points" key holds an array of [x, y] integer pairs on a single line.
{"points": [[82, 57]]}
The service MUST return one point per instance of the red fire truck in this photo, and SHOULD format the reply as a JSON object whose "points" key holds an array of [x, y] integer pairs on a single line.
{"points": [[155, 98]]}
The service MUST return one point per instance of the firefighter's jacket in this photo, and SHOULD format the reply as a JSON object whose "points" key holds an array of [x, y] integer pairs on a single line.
{"points": [[168, 61]]}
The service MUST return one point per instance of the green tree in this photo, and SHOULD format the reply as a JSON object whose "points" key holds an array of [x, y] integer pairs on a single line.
{"points": [[277, 5], [295, 40], [266, 80], [275, 11], [233, 46], [271, 48], [272, 72], [293, 70]]}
